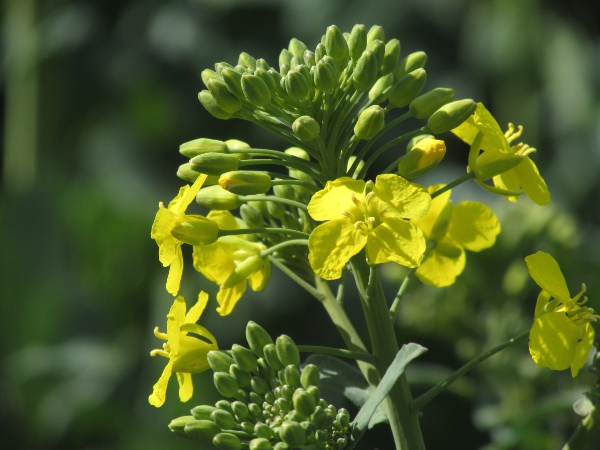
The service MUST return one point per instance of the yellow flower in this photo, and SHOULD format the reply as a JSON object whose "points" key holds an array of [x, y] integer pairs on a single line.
{"points": [[172, 227], [359, 214], [562, 333], [454, 228], [497, 147], [230, 262], [186, 354]]}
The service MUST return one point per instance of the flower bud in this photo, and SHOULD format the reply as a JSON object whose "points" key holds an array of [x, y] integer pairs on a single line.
{"points": [[486, 170], [186, 173], [219, 361], [315, 392], [215, 197], [207, 74], [370, 122], [177, 426], [220, 66], [244, 358], [365, 72], [376, 33], [256, 90], [196, 230], [408, 88], [306, 128], [320, 51], [225, 100], [451, 116], [422, 157], [341, 443], [284, 405], [285, 57], [378, 49], [391, 56], [322, 435], [260, 444], [214, 163], [287, 392], [262, 64], [357, 42], [292, 376], [297, 47], [246, 60], [336, 45], [325, 76], [259, 385], [202, 412], [245, 182], [222, 419], [381, 89], [292, 434], [251, 216], [287, 351], [267, 79], [309, 59], [304, 403], [425, 105], [271, 357], [225, 384], [295, 62], [248, 427], [321, 418], [310, 376], [202, 430], [263, 431], [281, 446], [240, 410], [412, 62], [209, 103], [233, 80], [276, 77], [257, 338], [227, 441], [296, 85], [201, 146], [276, 209], [242, 377]]}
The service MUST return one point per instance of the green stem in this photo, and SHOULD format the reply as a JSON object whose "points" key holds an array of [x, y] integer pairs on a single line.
{"points": [[293, 164], [342, 353], [264, 230], [272, 198], [276, 154], [400, 294], [294, 182], [420, 402], [454, 183], [405, 424], [281, 245]]}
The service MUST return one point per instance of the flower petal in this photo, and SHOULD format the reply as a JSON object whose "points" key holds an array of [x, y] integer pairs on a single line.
{"points": [[331, 246], [228, 298], [175, 319], [410, 200], [396, 240], [214, 261], [482, 120], [532, 182], [583, 349], [175, 272], [259, 279], [553, 340], [335, 198], [189, 194], [186, 387], [224, 219], [196, 311], [508, 181], [540, 304], [474, 226], [159, 391], [545, 271], [442, 265], [161, 233]]}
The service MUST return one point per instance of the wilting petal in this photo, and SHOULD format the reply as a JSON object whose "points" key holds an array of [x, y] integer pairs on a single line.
{"points": [[186, 387], [215, 261], [227, 298], [335, 198], [474, 226], [582, 350], [396, 240], [442, 265], [159, 391], [196, 311], [175, 319], [544, 270], [532, 182], [188, 195], [161, 233], [259, 279], [410, 200], [553, 341]]}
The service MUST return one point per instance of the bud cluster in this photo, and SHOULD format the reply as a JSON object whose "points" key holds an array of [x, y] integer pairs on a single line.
{"points": [[273, 403]]}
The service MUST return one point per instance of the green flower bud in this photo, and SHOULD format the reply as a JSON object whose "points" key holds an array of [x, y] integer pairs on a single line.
{"points": [[177, 426], [451, 115], [257, 338], [287, 392], [306, 128], [233, 80], [309, 58], [240, 410], [225, 100], [321, 435], [246, 60], [262, 64], [295, 62], [357, 42], [215, 197], [209, 103], [365, 72], [222, 65], [219, 361], [244, 358], [412, 62], [321, 418], [196, 230], [201, 146], [267, 79], [370, 122], [186, 173], [248, 427], [297, 47], [202, 412], [214, 163], [376, 33], [263, 431], [287, 351], [408, 88], [391, 56], [276, 209], [378, 49], [304, 403], [381, 89], [292, 376], [341, 443], [276, 77], [422, 157], [325, 76], [227, 441], [245, 182], [225, 384], [259, 385], [320, 51], [315, 392], [270, 352], [207, 74], [285, 57], [310, 376], [292, 434], [283, 405], [256, 90], [425, 105], [242, 377], [235, 144], [343, 419], [254, 409], [281, 446], [222, 419], [265, 371], [335, 44], [251, 216], [202, 430], [260, 444], [296, 85], [486, 170]]}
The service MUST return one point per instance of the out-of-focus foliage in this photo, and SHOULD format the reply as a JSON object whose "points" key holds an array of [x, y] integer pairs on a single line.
{"points": [[99, 94]]}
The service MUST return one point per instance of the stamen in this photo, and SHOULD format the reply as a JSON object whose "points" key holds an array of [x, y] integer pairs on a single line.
{"points": [[578, 296], [159, 353], [369, 197], [511, 134], [523, 149], [355, 200], [349, 215], [160, 335], [362, 227]]}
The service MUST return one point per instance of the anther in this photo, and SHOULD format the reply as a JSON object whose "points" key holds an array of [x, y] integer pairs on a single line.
{"points": [[349, 215]]}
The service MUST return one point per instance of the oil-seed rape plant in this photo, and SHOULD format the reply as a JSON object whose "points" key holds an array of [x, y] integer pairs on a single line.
{"points": [[315, 210]]}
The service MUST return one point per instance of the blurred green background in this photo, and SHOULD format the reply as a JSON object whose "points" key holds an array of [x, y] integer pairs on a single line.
{"points": [[97, 97]]}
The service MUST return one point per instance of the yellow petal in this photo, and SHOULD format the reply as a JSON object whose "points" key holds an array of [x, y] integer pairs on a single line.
{"points": [[410, 200], [331, 246], [259, 279], [553, 341], [544, 270], [509, 182], [224, 219], [159, 391], [532, 182], [396, 240], [215, 261], [196, 311], [542, 301], [175, 204], [474, 226], [161, 233], [583, 349], [186, 387], [175, 319], [228, 298], [442, 265], [175, 272], [335, 198], [438, 204], [189, 194], [482, 120]]}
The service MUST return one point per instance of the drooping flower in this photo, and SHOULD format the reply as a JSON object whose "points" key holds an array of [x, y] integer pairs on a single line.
{"points": [[468, 225], [186, 354], [497, 148], [562, 333], [230, 262], [358, 214], [172, 227]]}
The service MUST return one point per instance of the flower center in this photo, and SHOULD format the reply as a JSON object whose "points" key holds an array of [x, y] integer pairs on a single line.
{"points": [[365, 218]]}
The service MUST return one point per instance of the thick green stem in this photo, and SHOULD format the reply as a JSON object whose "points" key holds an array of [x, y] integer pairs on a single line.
{"points": [[405, 424]]}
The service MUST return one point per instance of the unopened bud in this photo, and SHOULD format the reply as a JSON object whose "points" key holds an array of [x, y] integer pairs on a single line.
{"points": [[251, 216], [224, 98], [321, 418], [370, 122], [306, 128], [292, 434], [256, 90], [202, 430], [283, 404], [451, 115], [225, 384], [365, 72], [186, 173], [227, 441], [244, 358], [287, 351], [276, 209], [207, 74], [271, 357], [247, 60], [262, 64], [177, 426], [412, 62], [257, 338], [309, 59], [240, 410], [325, 76], [263, 431], [378, 49], [297, 47], [215, 197], [209, 103], [260, 386], [381, 89], [391, 56], [408, 88], [202, 412], [357, 42], [341, 443], [214, 163], [260, 444], [201, 146], [242, 377], [222, 419], [292, 376], [296, 85], [281, 446], [233, 80], [304, 403], [245, 182], [196, 230], [320, 51], [310, 376], [425, 105], [422, 157], [335, 44], [220, 66], [267, 79], [376, 33]]}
